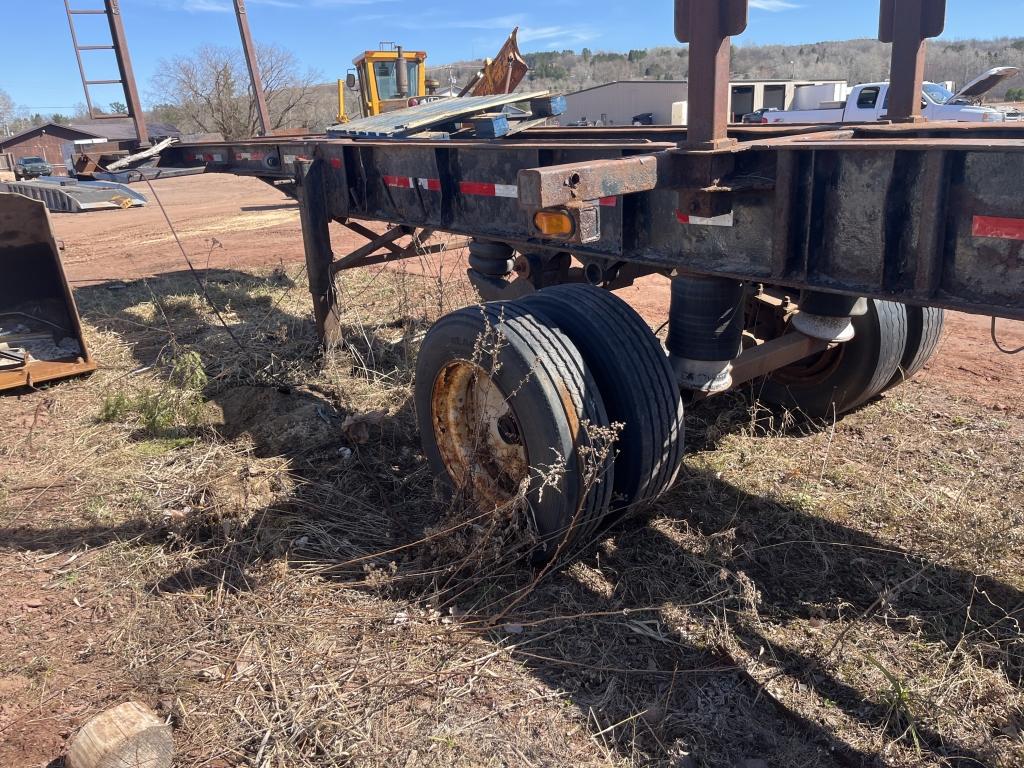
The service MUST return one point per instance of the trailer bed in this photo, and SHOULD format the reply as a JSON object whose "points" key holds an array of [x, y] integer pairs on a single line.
{"points": [[928, 214]]}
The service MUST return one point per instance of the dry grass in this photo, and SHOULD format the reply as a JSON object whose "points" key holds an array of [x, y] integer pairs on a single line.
{"points": [[278, 576]]}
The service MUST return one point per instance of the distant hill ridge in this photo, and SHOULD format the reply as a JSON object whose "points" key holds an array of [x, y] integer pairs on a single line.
{"points": [[857, 61]]}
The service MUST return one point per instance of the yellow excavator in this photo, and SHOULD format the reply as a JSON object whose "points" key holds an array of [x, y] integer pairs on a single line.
{"points": [[393, 78]]}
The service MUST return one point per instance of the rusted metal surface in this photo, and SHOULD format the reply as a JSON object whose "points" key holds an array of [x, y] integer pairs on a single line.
{"points": [[925, 213], [477, 434], [252, 63], [505, 72], [37, 310], [119, 46], [316, 236], [757, 362], [707, 27], [907, 24], [561, 185]]}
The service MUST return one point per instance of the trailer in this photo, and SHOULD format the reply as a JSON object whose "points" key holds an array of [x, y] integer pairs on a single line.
{"points": [[814, 260]]}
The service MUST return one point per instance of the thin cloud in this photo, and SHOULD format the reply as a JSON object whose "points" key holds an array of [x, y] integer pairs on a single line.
{"points": [[225, 6], [205, 6], [773, 5], [555, 35]]}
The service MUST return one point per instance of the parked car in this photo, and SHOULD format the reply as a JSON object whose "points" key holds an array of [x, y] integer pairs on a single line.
{"points": [[32, 168], [759, 116]]}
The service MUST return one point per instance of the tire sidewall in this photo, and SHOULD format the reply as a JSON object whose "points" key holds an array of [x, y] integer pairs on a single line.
{"points": [[535, 403], [866, 366]]}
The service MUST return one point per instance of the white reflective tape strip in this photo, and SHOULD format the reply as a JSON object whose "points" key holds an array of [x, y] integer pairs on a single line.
{"points": [[506, 190], [726, 220]]}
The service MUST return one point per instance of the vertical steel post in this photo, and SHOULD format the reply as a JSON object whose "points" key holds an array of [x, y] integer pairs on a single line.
{"points": [[707, 26], [124, 65], [907, 24], [316, 238], [119, 45], [249, 49]]}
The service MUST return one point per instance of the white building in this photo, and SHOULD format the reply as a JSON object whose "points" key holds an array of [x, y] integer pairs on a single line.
{"points": [[620, 102]]}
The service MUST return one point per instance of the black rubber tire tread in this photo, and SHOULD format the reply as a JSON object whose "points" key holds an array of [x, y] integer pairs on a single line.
{"points": [[924, 334], [571, 368], [868, 364], [636, 381], [538, 363]]}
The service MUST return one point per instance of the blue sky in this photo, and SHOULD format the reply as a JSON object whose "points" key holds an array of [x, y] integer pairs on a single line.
{"points": [[326, 34]]}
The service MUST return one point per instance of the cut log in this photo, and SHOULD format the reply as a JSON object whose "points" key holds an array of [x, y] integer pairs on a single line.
{"points": [[130, 735]]}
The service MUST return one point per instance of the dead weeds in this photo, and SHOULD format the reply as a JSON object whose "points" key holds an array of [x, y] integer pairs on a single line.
{"points": [[279, 577]]}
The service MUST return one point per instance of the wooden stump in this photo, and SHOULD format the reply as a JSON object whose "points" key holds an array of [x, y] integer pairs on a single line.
{"points": [[130, 735]]}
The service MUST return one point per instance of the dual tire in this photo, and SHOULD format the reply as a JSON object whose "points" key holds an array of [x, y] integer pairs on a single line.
{"points": [[893, 342], [564, 400]]}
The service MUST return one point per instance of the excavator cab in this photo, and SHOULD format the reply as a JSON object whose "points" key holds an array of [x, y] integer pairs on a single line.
{"points": [[392, 78], [387, 79]]}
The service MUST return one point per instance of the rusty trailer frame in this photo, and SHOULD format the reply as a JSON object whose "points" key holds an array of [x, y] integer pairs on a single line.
{"points": [[928, 214]]}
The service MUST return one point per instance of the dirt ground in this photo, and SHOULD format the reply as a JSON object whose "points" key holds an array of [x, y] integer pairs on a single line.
{"points": [[245, 537]]}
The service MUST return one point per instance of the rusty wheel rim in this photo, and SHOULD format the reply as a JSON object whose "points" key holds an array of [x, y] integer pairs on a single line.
{"points": [[813, 371], [479, 438]]}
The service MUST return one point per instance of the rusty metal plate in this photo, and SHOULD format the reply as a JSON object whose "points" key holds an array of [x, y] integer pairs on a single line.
{"points": [[933, 18], [732, 16]]}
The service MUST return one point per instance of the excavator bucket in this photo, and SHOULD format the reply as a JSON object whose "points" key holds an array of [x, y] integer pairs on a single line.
{"points": [[503, 74], [40, 330]]}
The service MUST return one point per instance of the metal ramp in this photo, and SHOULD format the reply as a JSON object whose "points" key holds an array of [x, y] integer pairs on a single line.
{"points": [[66, 195]]}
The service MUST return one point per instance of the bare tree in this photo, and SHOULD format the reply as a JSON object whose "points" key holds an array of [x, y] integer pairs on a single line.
{"points": [[209, 91], [6, 112]]}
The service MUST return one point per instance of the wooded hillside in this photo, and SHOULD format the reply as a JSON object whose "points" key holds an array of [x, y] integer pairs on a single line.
{"points": [[857, 61]]}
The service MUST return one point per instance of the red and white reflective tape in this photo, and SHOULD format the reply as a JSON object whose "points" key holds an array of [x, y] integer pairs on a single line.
{"points": [[475, 188], [250, 155], [726, 220], [1001, 228], [410, 182], [202, 157], [486, 189]]}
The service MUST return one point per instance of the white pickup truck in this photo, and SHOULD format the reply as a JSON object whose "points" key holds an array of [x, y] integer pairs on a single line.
{"points": [[870, 102]]}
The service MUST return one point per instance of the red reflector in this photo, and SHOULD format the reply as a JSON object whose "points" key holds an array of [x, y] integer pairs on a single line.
{"points": [[994, 226], [336, 162], [477, 188]]}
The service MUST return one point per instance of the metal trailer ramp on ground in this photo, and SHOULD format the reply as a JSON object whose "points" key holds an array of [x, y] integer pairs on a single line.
{"points": [[66, 195], [40, 330]]}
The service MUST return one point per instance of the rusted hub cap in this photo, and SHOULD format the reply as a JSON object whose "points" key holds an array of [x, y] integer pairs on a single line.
{"points": [[814, 370], [479, 438]]}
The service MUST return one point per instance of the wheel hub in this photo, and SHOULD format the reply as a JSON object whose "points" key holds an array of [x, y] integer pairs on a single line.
{"points": [[479, 438]]}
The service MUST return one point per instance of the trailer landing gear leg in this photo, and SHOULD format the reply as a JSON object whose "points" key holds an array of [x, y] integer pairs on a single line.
{"points": [[316, 238]]}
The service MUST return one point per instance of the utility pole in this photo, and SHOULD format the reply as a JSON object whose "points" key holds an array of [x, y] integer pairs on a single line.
{"points": [[249, 49]]}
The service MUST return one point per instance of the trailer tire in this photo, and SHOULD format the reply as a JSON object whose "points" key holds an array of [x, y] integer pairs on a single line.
{"points": [[842, 379], [635, 379], [924, 334], [503, 399]]}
